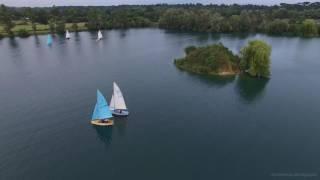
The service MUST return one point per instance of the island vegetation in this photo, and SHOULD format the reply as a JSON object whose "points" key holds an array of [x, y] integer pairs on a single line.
{"points": [[301, 19], [216, 59]]}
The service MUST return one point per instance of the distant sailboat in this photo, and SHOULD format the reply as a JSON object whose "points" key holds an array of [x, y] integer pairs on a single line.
{"points": [[101, 113], [100, 36], [68, 35], [49, 40], [117, 104]]}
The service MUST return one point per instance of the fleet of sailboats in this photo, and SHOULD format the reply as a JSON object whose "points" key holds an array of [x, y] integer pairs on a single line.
{"points": [[102, 112], [68, 36]]}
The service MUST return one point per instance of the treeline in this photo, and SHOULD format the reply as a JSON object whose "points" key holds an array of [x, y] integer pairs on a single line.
{"points": [[300, 19], [271, 20]]}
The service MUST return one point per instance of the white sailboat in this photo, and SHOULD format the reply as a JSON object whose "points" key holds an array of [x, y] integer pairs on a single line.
{"points": [[99, 36], [117, 104], [68, 36]]}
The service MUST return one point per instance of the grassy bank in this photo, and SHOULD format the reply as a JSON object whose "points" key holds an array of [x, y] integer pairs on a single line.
{"points": [[41, 28]]}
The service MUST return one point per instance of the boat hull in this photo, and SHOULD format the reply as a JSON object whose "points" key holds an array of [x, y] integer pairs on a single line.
{"points": [[102, 123], [119, 113]]}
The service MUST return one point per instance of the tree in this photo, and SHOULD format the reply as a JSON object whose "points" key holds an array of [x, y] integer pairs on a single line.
{"points": [[60, 27], [189, 49], [215, 21], [6, 20], [74, 27], [32, 17], [255, 58], [52, 26], [245, 21], [235, 23], [278, 27], [23, 33], [309, 28]]}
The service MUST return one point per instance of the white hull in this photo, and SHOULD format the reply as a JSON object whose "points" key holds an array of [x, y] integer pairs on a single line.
{"points": [[120, 112]]}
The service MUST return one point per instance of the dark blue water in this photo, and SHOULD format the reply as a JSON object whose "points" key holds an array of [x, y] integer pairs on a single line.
{"points": [[181, 126]]}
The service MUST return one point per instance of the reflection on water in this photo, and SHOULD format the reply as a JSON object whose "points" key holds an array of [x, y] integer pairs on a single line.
{"points": [[212, 80], [13, 43], [104, 134], [121, 125], [77, 36], [37, 40], [123, 33], [250, 89]]}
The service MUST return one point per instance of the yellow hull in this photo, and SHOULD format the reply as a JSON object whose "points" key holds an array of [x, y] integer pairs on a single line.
{"points": [[102, 123]]}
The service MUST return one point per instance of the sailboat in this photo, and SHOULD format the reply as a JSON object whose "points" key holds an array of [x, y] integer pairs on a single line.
{"points": [[68, 35], [117, 104], [101, 114], [49, 40], [99, 36]]}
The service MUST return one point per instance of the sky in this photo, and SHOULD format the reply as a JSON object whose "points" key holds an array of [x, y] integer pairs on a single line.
{"points": [[119, 2]]}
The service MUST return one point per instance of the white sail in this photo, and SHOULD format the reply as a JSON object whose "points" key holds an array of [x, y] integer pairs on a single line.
{"points": [[99, 35], [112, 104], [68, 35], [118, 98]]}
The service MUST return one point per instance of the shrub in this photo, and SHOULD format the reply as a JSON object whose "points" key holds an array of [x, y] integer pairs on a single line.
{"points": [[189, 49], [60, 27], [23, 33]]}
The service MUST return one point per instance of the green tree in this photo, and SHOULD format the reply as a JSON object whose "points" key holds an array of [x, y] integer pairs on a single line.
{"points": [[216, 21], [245, 21], [74, 27], [61, 27], [52, 26], [309, 28], [23, 33], [32, 17], [6, 20], [189, 49], [278, 26], [235, 23], [255, 58]]}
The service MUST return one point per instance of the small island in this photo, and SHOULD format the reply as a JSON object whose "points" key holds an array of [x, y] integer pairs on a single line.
{"points": [[216, 59]]}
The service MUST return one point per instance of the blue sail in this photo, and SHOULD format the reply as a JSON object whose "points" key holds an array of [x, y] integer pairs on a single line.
{"points": [[101, 109], [49, 40]]}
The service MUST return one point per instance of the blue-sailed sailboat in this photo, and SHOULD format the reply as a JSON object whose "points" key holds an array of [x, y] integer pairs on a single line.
{"points": [[101, 113], [49, 40]]}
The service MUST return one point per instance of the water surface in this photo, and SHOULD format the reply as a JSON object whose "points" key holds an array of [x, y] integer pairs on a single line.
{"points": [[181, 126]]}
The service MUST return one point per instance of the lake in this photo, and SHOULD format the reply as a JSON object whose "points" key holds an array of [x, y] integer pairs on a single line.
{"points": [[181, 126]]}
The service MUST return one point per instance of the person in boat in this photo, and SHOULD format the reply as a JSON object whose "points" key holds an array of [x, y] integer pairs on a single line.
{"points": [[120, 111]]}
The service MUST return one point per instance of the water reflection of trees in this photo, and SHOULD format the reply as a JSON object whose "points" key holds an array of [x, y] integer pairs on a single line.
{"points": [[250, 89], [13, 43]]}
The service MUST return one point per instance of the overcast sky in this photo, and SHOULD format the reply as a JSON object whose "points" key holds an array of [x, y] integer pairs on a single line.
{"points": [[117, 2]]}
